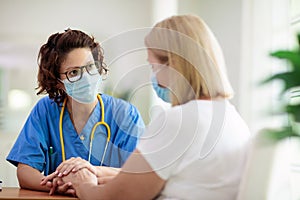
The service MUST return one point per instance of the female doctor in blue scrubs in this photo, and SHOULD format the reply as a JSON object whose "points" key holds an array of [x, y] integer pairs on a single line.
{"points": [[73, 120]]}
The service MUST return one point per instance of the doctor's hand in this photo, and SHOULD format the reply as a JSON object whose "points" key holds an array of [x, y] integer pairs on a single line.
{"points": [[74, 165], [61, 187], [70, 165], [47, 180], [57, 185]]}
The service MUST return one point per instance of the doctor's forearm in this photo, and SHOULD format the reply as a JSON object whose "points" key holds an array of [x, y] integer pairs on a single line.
{"points": [[30, 178]]}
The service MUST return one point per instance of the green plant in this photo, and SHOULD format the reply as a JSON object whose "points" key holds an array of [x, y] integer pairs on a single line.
{"points": [[291, 81]]}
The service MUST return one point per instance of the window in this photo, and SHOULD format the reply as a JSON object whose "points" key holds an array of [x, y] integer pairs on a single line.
{"points": [[295, 165], [295, 16]]}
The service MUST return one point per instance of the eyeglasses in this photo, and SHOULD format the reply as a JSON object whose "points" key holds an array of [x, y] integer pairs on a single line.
{"points": [[75, 73]]}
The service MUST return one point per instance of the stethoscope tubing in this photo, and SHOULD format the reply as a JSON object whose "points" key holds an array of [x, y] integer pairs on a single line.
{"points": [[101, 122]]}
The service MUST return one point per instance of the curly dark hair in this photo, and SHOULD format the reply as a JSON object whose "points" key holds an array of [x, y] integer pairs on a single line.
{"points": [[54, 52]]}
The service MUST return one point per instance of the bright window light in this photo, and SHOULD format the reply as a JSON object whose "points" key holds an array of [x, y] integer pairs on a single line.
{"points": [[18, 99]]}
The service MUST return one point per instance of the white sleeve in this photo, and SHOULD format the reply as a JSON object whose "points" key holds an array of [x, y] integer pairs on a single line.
{"points": [[167, 139]]}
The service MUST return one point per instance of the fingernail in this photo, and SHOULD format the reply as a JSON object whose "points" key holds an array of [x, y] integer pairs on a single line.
{"points": [[60, 174], [65, 172], [56, 172]]}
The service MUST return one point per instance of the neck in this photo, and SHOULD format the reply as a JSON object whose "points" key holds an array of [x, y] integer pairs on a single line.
{"points": [[80, 112], [74, 106]]}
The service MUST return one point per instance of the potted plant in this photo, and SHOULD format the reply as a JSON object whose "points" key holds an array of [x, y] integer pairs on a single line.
{"points": [[290, 94], [268, 168]]}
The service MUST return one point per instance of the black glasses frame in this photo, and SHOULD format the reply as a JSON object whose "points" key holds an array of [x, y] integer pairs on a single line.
{"points": [[101, 69]]}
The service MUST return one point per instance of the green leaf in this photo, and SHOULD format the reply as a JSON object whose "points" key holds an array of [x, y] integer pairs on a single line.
{"points": [[292, 56], [290, 79], [279, 134], [294, 110]]}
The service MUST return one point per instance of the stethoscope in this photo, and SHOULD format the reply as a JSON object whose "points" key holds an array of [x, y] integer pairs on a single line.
{"points": [[101, 122]]}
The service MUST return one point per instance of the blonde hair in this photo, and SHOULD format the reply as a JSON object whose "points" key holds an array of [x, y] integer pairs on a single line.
{"points": [[186, 44]]}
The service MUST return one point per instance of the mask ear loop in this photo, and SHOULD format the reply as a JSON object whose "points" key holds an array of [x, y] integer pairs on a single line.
{"points": [[154, 73], [104, 77], [104, 72], [63, 88], [171, 82]]}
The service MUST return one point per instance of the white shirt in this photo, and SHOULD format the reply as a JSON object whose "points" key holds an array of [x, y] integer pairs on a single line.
{"points": [[199, 148]]}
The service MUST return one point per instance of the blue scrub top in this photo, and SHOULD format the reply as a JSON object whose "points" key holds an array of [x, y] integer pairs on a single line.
{"points": [[41, 131]]}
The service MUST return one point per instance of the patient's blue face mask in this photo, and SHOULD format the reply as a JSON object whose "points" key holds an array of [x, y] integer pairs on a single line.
{"points": [[84, 90], [163, 93]]}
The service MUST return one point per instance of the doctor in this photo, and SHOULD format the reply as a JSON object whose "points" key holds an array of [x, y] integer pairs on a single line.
{"points": [[73, 120]]}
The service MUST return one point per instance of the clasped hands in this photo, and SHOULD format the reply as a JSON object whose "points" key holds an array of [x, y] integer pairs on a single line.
{"points": [[74, 171]]}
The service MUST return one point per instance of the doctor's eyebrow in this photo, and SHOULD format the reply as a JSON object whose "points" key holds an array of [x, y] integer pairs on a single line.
{"points": [[77, 66]]}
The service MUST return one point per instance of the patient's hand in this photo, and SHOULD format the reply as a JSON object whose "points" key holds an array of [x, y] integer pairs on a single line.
{"points": [[73, 165], [105, 179], [82, 176], [106, 174]]}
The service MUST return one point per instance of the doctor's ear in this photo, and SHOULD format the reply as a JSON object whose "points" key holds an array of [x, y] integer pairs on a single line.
{"points": [[60, 85]]}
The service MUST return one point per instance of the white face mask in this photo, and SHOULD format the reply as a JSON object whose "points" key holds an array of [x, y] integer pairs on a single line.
{"points": [[84, 90]]}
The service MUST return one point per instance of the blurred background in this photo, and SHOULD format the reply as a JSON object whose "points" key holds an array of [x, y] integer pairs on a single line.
{"points": [[247, 30]]}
